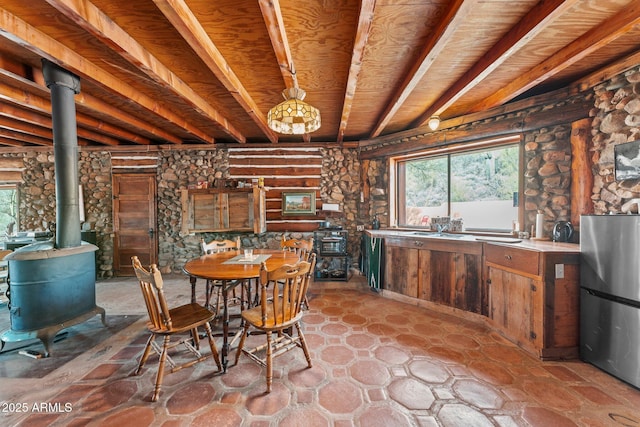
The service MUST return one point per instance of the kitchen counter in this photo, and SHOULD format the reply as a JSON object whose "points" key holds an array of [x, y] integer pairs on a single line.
{"points": [[528, 290], [531, 244]]}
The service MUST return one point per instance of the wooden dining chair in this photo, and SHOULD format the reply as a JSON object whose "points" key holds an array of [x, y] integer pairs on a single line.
{"points": [[279, 313], [168, 322], [212, 247], [304, 249]]}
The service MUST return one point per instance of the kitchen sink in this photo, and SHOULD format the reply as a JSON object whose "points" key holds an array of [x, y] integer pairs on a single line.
{"points": [[439, 235]]}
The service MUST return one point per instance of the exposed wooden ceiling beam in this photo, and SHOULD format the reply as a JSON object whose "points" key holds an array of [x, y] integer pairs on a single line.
{"points": [[529, 26], [29, 118], [183, 19], [35, 97], [11, 142], [597, 38], [454, 17], [365, 19], [272, 16], [23, 137], [99, 25], [20, 32]]}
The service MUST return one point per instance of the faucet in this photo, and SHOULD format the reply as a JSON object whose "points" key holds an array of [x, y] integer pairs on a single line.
{"points": [[441, 228]]}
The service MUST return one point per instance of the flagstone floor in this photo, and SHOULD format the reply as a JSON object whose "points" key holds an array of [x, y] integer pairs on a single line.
{"points": [[376, 362]]}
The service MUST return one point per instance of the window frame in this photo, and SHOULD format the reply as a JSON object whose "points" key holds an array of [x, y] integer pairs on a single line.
{"points": [[397, 201], [16, 187]]}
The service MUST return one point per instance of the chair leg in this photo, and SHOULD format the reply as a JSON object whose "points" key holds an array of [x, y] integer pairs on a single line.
{"points": [[207, 293], [145, 355], [160, 375], [196, 338], [303, 344], [212, 344], [241, 344], [269, 362]]}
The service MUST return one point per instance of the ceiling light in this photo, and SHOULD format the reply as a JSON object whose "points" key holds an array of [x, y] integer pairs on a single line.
{"points": [[434, 122], [293, 116]]}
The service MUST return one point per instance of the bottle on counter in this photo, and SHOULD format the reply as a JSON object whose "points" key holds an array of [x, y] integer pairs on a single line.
{"points": [[376, 223]]}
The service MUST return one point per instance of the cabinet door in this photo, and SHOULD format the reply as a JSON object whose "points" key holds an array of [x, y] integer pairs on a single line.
{"points": [[512, 304], [402, 277], [442, 277], [467, 292]]}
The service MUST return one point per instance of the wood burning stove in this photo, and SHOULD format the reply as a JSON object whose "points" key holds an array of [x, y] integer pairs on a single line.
{"points": [[52, 284]]}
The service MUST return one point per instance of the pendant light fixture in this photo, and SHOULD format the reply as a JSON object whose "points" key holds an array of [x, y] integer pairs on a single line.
{"points": [[293, 116]]}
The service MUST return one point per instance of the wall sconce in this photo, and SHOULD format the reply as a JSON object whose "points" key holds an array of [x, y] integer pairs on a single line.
{"points": [[434, 122]]}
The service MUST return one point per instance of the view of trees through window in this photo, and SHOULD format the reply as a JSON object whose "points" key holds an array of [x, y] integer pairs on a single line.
{"points": [[478, 187], [8, 210]]}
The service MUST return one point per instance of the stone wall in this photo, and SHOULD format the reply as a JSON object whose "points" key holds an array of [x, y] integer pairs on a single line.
{"points": [[38, 199], [178, 169], [547, 176], [616, 120]]}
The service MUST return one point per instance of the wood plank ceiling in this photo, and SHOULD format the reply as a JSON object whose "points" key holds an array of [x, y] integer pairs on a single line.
{"points": [[206, 72]]}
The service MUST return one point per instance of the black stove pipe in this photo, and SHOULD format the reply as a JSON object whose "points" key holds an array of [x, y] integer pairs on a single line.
{"points": [[64, 85]]}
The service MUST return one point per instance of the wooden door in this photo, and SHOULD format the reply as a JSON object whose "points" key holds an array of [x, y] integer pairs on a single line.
{"points": [[134, 221]]}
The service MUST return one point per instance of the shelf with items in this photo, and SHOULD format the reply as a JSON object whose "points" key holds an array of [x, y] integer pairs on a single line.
{"points": [[332, 257], [334, 268]]}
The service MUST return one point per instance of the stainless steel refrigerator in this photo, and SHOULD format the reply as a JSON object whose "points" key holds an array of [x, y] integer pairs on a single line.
{"points": [[610, 294]]}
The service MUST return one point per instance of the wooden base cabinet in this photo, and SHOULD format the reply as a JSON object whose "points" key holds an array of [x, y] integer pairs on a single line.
{"points": [[534, 299], [453, 279], [440, 271], [402, 274]]}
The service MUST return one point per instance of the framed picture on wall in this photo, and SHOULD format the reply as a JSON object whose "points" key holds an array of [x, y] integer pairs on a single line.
{"points": [[627, 160], [299, 203]]}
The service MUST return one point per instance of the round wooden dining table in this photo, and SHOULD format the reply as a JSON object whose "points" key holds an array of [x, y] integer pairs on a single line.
{"points": [[230, 268]]}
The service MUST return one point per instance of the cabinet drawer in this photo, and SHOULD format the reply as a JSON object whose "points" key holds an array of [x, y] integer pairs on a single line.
{"points": [[517, 259]]}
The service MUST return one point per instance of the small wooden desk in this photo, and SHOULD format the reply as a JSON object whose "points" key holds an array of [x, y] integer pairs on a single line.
{"points": [[213, 267]]}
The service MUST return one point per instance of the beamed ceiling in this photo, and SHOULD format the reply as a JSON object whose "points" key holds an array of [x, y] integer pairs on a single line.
{"points": [[207, 72]]}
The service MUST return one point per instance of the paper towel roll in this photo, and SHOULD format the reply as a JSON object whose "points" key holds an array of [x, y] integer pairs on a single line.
{"points": [[539, 226]]}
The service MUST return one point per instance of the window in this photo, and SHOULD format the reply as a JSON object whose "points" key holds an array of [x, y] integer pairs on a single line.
{"points": [[477, 188], [8, 210]]}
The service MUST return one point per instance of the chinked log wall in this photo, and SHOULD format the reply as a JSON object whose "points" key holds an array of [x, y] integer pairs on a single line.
{"points": [[283, 170]]}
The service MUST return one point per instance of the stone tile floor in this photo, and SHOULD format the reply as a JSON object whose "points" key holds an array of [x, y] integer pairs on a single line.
{"points": [[376, 362]]}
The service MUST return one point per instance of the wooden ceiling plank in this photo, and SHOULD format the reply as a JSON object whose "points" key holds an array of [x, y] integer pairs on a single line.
{"points": [[99, 25], [34, 40], [183, 19], [365, 20], [598, 37], [604, 74], [272, 16], [454, 16], [532, 24]]}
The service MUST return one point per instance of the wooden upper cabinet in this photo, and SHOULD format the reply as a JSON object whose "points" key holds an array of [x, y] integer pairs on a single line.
{"points": [[216, 210]]}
